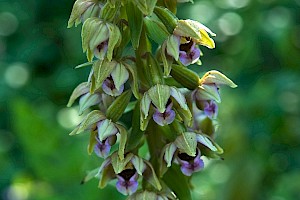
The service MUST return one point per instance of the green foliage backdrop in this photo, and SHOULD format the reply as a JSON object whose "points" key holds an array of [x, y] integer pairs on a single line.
{"points": [[257, 45]]}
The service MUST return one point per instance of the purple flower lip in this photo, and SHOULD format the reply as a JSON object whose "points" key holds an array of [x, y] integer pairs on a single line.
{"points": [[109, 87], [210, 109], [190, 164], [127, 181], [101, 49], [165, 118], [102, 149], [189, 53]]}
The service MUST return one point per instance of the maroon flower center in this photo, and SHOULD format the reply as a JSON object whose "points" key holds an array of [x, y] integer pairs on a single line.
{"points": [[127, 174]]}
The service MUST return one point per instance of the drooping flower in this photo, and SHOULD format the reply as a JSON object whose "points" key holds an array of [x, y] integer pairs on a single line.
{"points": [[127, 172], [160, 103], [87, 99], [110, 76], [185, 151], [182, 45], [190, 164], [99, 38], [103, 133]]}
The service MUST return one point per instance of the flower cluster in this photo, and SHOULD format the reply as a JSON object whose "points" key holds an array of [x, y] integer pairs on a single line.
{"points": [[173, 111]]}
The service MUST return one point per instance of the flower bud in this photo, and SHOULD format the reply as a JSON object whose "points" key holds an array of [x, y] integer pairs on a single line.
{"points": [[99, 38], [82, 10]]}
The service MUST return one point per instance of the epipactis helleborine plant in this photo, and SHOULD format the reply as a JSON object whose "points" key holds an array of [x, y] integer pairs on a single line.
{"points": [[172, 110]]}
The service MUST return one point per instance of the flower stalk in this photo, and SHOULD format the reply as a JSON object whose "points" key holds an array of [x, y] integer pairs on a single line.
{"points": [[174, 110]]}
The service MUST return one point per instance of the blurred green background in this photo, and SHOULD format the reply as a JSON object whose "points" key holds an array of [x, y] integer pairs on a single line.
{"points": [[257, 46]]}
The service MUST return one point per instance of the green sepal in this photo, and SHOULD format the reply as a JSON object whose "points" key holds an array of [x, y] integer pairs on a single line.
{"points": [[138, 164], [208, 92], [134, 77], [167, 18], [185, 77], [135, 22], [81, 89], [106, 175], [156, 30], [150, 176], [205, 140], [177, 182], [102, 69], [123, 140], [106, 129], [119, 75], [118, 164], [116, 109], [90, 120], [169, 152], [114, 40], [90, 175], [166, 59], [187, 143], [216, 77], [93, 141], [159, 95], [87, 101], [146, 6]]}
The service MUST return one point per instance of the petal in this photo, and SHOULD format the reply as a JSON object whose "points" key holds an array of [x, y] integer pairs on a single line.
{"points": [[102, 149], [106, 128], [119, 75], [165, 118], [211, 109]]}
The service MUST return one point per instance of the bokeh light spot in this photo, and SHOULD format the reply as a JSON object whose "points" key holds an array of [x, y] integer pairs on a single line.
{"points": [[230, 23], [206, 9], [8, 23], [219, 173], [279, 17], [238, 3], [68, 117], [16, 75]]}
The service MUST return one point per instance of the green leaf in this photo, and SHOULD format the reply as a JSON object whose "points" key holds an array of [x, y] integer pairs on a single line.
{"points": [[187, 143], [135, 22], [178, 183], [90, 120], [135, 135], [156, 30], [159, 94], [117, 108]]}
